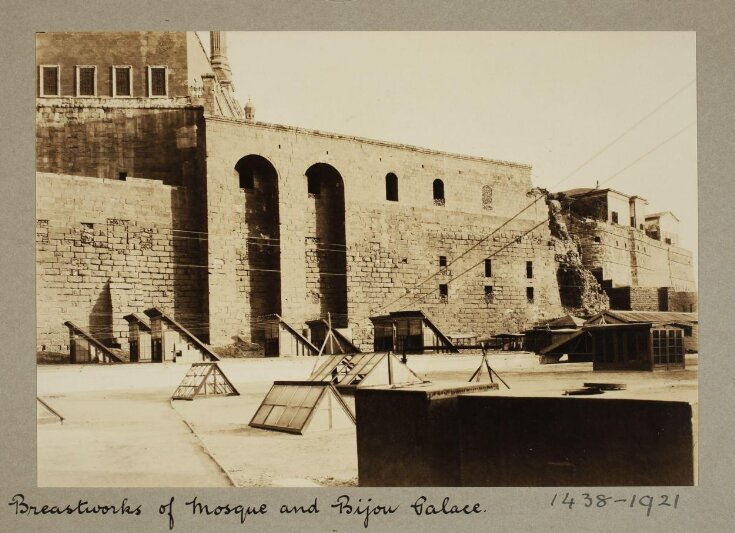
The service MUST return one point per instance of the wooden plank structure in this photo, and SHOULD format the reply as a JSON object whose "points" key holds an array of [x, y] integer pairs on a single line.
{"points": [[204, 379], [84, 348], [509, 341], [688, 322], [282, 339], [409, 332], [346, 372], [302, 406], [139, 338], [170, 341], [634, 346]]}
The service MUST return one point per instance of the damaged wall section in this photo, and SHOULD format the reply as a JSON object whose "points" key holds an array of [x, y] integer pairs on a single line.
{"points": [[579, 291]]}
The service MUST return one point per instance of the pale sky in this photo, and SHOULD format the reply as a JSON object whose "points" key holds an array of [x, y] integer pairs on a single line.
{"points": [[549, 99]]}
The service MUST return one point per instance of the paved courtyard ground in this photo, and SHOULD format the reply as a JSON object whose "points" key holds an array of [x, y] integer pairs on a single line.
{"points": [[121, 428]]}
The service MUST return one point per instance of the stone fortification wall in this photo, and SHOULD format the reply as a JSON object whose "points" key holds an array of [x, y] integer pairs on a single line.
{"points": [[106, 248], [146, 138], [628, 257], [389, 246]]}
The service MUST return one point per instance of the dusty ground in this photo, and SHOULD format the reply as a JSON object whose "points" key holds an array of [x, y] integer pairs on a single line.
{"points": [[121, 429]]}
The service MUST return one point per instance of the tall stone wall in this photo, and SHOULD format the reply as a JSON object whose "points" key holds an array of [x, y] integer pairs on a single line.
{"points": [[144, 138], [628, 257], [652, 299], [106, 248], [390, 246]]}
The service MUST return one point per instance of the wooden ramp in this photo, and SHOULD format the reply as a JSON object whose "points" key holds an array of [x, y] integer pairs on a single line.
{"points": [[302, 406], [364, 370], [204, 379], [85, 348]]}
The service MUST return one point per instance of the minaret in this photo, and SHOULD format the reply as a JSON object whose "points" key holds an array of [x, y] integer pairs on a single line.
{"points": [[218, 57]]}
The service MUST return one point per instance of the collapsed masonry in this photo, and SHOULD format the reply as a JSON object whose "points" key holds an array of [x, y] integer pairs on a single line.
{"points": [[579, 291]]}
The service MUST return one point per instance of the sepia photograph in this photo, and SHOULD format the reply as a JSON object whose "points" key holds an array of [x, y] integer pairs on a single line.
{"points": [[366, 259]]}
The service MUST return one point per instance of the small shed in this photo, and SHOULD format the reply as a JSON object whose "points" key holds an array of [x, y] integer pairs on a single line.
{"points": [[509, 341], [282, 339], [463, 339], [139, 338], [548, 332], [84, 348], [636, 346], [414, 333], [536, 340], [170, 341], [687, 322]]}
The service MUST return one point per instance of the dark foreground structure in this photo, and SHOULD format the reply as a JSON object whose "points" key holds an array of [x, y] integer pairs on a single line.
{"points": [[406, 437]]}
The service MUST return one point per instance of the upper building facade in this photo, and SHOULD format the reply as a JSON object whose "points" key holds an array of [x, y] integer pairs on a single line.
{"points": [[635, 256], [174, 197]]}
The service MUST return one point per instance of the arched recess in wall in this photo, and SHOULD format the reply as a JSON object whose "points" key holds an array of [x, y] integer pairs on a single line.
{"points": [[259, 258], [326, 257], [391, 187], [438, 191]]}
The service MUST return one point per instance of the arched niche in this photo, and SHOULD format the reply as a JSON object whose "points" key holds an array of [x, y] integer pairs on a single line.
{"points": [[326, 257]]}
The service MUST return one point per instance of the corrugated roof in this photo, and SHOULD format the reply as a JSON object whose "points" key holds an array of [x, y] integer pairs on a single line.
{"points": [[564, 321], [654, 317]]}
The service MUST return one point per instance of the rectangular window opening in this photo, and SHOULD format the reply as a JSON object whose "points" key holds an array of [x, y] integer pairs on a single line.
{"points": [[49, 81], [529, 294], [529, 269], [443, 262], [488, 293], [86, 80], [488, 268], [443, 292], [157, 81], [122, 81], [391, 188], [614, 216]]}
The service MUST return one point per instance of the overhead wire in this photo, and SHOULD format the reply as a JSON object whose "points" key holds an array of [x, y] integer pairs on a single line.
{"points": [[341, 247]]}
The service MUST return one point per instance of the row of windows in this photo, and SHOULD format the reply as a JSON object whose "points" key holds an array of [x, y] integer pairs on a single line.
{"points": [[488, 267], [85, 81], [489, 296], [391, 187]]}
